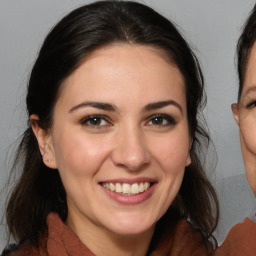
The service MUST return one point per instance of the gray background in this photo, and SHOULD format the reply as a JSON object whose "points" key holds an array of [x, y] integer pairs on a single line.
{"points": [[211, 27]]}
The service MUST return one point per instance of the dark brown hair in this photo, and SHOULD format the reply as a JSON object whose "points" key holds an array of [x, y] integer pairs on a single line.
{"points": [[244, 46], [39, 190]]}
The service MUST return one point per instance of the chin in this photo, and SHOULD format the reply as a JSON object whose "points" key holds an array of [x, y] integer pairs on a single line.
{"points": [[131, 227], [130, 231]]}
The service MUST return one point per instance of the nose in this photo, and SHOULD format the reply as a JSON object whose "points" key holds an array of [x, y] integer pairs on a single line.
{"points": [[130, 151]]}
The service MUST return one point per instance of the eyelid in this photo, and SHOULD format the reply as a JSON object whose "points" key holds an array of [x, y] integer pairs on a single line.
{"points": [[169, 118], [90, 117], [251, 104]]}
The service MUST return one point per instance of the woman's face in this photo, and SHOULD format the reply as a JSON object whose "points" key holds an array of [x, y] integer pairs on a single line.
{"points": [[120, 139], [245, 116]]}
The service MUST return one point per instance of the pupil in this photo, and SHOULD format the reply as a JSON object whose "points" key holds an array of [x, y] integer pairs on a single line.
{"points": [[158, 120], [95, 121]]}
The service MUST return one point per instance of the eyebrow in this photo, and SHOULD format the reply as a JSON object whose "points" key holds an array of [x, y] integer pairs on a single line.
{"points": [[110, 107], [99, 105], [161, 104], [251, 89]]}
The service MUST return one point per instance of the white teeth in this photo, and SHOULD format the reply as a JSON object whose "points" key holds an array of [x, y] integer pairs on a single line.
{"points": [[112, 187], [119, 188], [141, 187], [135, 189], [146, 185], [105, 185], [127, 189]]}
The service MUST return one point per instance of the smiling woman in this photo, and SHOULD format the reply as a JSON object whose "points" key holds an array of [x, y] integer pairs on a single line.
{"points": [[104, 154], [110, 156]]}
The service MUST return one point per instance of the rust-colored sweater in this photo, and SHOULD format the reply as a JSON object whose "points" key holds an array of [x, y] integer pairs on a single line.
{"points": [[240, 241], [62, 241], [181, 241]]}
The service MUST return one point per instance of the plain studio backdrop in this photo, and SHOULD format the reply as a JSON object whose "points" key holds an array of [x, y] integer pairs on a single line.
{"points": [[211, 27]]}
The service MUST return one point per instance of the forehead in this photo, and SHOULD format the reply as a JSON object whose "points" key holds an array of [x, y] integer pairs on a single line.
{"points": [[250, 74], [125, 53], [126, 71]]}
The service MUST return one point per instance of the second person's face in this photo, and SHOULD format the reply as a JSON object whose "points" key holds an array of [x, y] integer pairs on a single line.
{"points": [[120, 139], [245, 116]]}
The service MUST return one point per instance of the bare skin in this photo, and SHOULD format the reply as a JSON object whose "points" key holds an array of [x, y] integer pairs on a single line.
{"points": [[120, 119], [245, 116]]}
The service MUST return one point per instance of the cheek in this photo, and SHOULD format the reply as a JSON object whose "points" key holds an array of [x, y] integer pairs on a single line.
{"points": [[172, 153], [78, 154], [248, 132]]}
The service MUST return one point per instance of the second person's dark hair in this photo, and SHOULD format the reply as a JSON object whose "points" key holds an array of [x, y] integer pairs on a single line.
{"points": [[244, 46]]}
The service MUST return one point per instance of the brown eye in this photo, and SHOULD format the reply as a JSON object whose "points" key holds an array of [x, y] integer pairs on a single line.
{"points": [[251, 104], [158, 120], [161, 120], [95, 121]]}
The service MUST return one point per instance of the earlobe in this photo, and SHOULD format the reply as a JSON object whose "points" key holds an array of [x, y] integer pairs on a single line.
{"points": [[188, 160], [235, 111], [44, 140]]}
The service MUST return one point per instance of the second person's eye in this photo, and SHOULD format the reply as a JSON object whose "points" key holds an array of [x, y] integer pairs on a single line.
{"points": [[252, 104]]}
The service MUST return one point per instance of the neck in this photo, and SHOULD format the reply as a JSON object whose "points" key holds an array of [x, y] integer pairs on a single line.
{"points": [[106, 243]]}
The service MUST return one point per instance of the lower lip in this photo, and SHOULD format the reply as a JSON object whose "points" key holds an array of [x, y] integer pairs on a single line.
{"points": [[130, 199]]}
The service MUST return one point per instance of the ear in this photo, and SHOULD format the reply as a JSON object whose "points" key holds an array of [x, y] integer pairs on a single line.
{"points": [[45, 144], [235, 111], [188, 160]]}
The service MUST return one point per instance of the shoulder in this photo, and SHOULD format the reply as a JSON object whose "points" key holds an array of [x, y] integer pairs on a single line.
{"points": [[243, 231], [183, 239], [21, 250], [190, 240], [40, 249], [241, 240], [8, 250]]}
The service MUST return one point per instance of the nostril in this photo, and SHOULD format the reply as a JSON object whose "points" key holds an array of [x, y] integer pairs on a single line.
{"points": [[130, 150], [132, 161]]}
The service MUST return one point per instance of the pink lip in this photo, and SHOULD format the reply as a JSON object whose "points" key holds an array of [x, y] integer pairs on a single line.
{"points": [[129, 199]]}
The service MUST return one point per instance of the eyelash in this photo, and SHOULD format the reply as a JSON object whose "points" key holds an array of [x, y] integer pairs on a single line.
{"points": [[163, 119], [251, 104], [86, 121]]}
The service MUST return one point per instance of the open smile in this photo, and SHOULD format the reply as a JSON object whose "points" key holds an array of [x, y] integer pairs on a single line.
{"points": [[126, 188], [129, 192]]}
